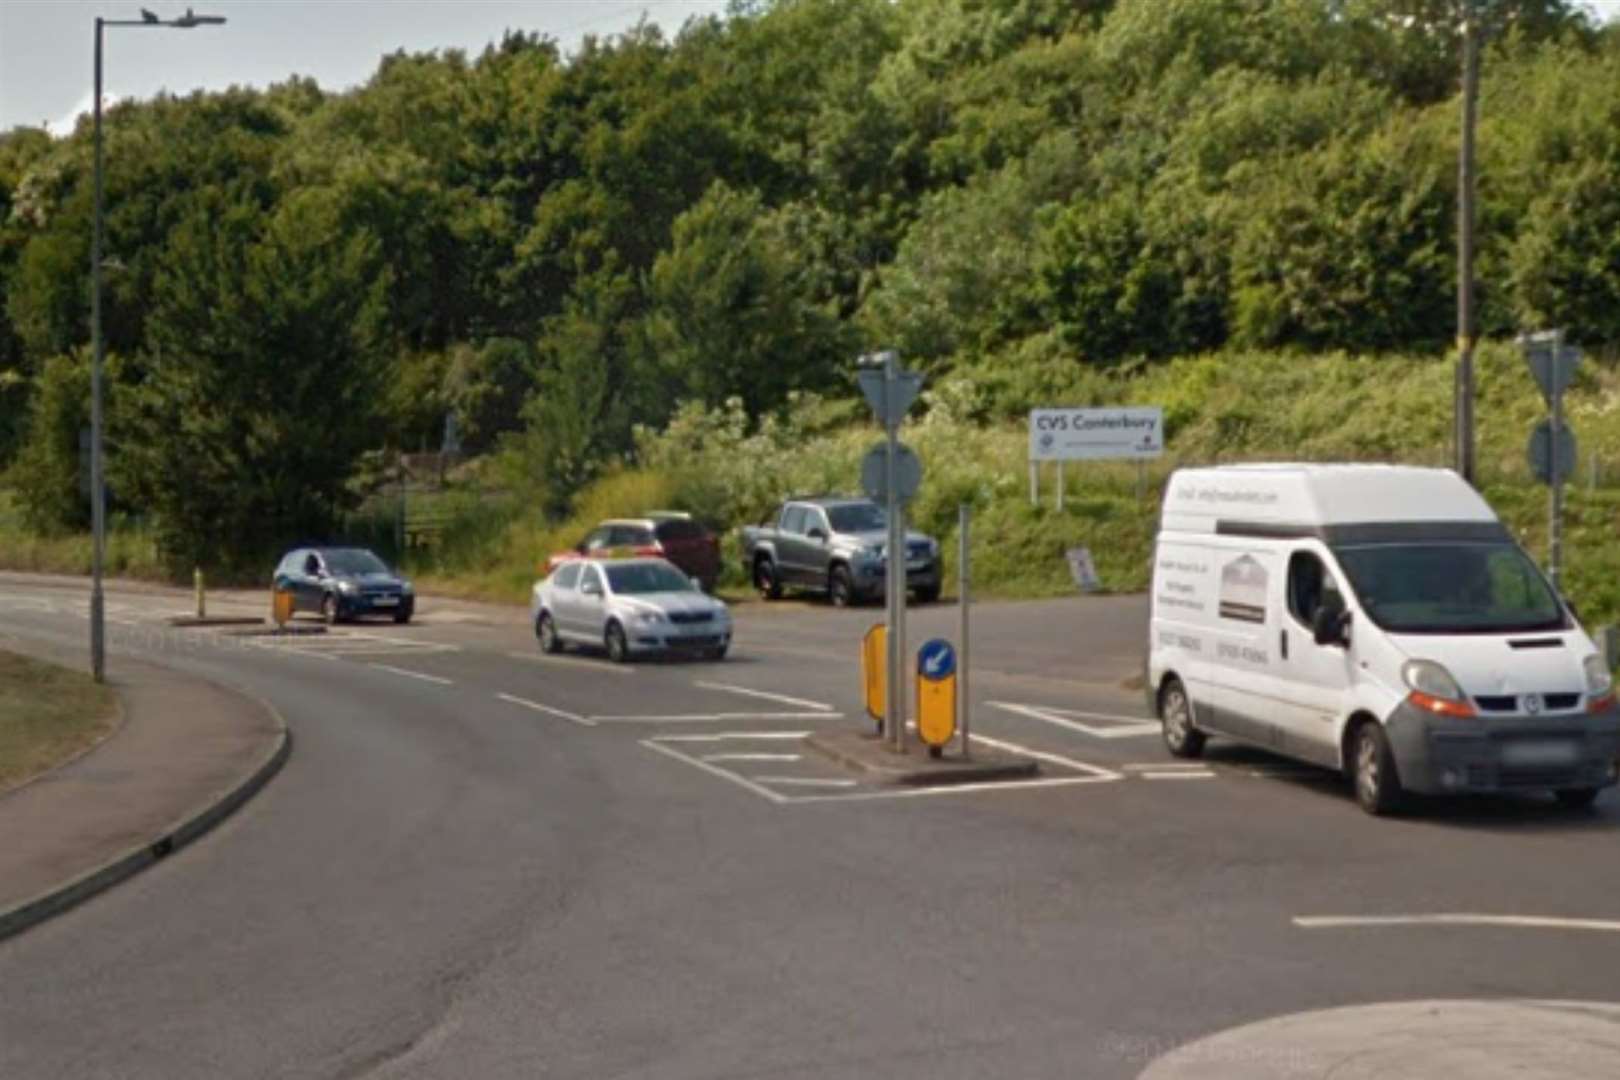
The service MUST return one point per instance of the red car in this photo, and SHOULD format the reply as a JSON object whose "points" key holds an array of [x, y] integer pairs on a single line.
{"points": [[666, 534]]}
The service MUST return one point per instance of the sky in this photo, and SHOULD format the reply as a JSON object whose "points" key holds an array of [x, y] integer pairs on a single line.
{"points": [[47, 47]]}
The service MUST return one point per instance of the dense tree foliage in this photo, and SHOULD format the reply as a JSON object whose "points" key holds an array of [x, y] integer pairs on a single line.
{"points": [[554, 249]]}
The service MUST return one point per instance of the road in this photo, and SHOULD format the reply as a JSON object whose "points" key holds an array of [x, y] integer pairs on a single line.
{"points": [[483, 862]]}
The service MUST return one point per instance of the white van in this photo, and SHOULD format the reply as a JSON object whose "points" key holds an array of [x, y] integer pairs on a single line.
{"points": [[1376, 619]]}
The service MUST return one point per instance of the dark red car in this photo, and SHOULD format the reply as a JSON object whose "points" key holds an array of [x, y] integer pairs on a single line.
{"points": [[667, 534]]}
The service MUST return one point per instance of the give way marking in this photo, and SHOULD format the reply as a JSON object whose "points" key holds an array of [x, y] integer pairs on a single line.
{"points": [[1103, 725]]}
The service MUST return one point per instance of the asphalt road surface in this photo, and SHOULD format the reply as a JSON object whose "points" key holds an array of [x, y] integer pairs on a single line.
{"points": [[482, 862]]}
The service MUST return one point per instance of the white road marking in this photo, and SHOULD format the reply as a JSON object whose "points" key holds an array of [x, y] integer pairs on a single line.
{"points": [[723, 736], [725, 774], [783, 698], [1537, 922], [752, 757], [413, 674], [1204, 774], [547, 709], [1095, 771], [1128, 726], [705, 718], [1162, 766], [803, 781], [605, 666]]}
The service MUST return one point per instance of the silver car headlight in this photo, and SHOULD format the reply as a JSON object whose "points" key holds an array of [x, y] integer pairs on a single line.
{"points": [[347, 588], [647, 618]]}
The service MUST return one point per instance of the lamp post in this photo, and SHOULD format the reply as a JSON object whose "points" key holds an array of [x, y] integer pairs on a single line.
{"points": [[98, 492]]}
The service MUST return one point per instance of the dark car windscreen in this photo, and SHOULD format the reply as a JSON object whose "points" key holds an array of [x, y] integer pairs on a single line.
{"points": [[646, 578], [353, 561], [857, 518], [1451, 587]]}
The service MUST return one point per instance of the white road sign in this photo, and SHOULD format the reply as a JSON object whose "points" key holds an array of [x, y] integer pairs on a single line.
{"points": [[1077, 434]]}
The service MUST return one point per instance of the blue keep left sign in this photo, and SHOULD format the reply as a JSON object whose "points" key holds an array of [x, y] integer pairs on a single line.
{"points": [[936, 660]]}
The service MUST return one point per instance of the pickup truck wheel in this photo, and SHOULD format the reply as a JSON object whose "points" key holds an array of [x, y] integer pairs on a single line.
{"points": [[765, 579], [840, 587]]}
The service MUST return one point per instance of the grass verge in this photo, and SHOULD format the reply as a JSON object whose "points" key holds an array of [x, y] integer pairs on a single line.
{"points": [[47, 715]]}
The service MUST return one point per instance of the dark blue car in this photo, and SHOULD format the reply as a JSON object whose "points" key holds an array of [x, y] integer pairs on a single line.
{"points": [[342, 583]]}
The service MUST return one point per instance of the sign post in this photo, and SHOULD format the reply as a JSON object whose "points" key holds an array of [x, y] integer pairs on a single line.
{"points": [[890, 392], [1552, 445], [964, 520]]}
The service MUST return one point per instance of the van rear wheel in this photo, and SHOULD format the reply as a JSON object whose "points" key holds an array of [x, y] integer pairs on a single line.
{"points": [[1181, 738], [1378, 785]]}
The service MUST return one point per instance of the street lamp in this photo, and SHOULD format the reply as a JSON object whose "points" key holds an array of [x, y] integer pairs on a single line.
{"points": [[98, 492]]}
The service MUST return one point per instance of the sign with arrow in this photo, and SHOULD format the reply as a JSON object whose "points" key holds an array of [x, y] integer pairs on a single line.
{"points": [[936, 694]]}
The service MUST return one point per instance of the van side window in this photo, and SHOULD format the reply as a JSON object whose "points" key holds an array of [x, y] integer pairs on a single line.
{"points": [[1309, 583]]}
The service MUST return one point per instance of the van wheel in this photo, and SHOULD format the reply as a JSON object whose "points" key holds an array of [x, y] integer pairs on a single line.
{"points": [[1181, 738], [1378, 786], [1577, 798]]}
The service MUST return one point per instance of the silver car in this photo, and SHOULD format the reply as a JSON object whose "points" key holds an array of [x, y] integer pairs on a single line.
{"points": [[629, 607]]}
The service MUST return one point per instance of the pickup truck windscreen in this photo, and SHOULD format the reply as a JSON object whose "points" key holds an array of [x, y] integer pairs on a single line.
{"points": [[857, 518]]}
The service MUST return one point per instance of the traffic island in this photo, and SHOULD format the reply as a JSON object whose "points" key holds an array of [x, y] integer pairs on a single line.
{"points": [[875, 757], [191, 622]]}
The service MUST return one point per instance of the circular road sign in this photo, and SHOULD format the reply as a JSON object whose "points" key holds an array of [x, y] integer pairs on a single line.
{"points": [[874, 475]]}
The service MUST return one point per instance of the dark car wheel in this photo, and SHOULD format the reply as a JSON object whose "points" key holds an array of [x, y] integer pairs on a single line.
{"points": [[765, 579], [403, 615], [618, 649], [841, 587], [329, 610], [1175, 713], [928, 594], [717, 653], [546, 630], [1378, 787]]}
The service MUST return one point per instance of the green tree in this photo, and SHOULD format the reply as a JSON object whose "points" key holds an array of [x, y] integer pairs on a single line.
{"points": [[262, 384]]}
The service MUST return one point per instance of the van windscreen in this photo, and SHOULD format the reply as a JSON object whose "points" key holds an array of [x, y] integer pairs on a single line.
{"points": [[1451, 588]]}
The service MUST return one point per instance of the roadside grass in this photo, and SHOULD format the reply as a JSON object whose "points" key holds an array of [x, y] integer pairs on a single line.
{"points": [[47, 714]]}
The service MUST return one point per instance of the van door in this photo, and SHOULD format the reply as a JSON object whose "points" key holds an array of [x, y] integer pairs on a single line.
{"points": [[1313, 681]]}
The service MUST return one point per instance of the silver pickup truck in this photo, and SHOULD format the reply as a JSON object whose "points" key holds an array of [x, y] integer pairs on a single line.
{"points": [[833, 545]]}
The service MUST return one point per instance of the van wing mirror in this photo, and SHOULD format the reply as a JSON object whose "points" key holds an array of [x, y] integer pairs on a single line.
{"points": [[1331, 625]]}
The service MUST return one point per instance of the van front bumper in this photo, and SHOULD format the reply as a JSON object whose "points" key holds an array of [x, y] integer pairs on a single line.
{"points": [[1445, 755]]}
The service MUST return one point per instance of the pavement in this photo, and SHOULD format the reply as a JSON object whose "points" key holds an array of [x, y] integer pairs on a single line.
{"points": [[185, 754]]}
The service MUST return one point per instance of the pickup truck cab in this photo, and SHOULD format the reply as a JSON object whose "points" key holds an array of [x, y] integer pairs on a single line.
{"points": [[834, 545]]}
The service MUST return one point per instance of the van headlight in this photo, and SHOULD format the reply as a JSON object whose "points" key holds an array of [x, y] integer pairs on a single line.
{"points": [[1433, 689], [1598, 680]]}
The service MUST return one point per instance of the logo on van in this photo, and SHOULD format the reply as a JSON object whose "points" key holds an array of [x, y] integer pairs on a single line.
{"points": [[1243, 590], [1532, 703]]}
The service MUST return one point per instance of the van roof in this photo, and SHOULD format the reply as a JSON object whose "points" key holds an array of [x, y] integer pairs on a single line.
{"points": [[1310, 496]]}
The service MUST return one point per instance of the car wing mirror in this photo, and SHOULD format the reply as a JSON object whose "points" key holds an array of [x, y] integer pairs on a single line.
{"points": [[816, 534]]}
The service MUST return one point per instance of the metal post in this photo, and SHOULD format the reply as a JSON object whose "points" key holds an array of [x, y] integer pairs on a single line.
{"points": [[1464, 391], [1141, 479], [895, 577], [1555, 530], [1034, 482], [963, 709], [1060, 472], [98, 501], [399, 524]]}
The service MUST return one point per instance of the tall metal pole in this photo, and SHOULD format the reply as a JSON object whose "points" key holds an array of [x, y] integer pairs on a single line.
{"points": [[1463, 403], [1555, 525], [98, 495], [894, 585], [964, 707]]}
